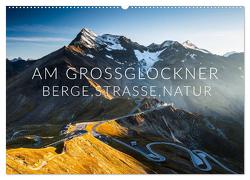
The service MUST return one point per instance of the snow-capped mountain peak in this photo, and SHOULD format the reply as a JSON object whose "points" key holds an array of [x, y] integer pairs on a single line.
{"points": [[163, 45], [189, 45], [229, 53], [86, 37], [17, 59], [89, 39], [20, 59], [167, 43], [88, 32]]}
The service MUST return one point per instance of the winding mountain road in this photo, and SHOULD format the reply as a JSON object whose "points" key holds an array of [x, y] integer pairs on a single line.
{"points": [[198, 158]]}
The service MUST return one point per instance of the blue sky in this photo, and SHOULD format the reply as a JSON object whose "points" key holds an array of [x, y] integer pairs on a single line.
{"points": [[33, 33]]}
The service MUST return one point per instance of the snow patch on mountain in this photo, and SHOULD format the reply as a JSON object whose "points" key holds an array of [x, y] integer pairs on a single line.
{"points": [[90, 55], [111, 41], [119, 62], [146, 58], [110, 57], [193, 56]]}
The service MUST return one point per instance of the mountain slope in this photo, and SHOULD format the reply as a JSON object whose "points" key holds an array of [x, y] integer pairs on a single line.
{"points": [[166, 124], [35, 123], [81, 155]]}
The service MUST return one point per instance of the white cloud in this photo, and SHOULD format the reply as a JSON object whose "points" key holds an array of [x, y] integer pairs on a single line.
{"points": [[37, 39]]}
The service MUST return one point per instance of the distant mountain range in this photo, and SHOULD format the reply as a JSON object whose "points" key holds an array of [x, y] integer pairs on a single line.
{"points": [[91, 50]]}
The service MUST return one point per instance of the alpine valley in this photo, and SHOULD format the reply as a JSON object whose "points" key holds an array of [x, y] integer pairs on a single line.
{"points": [[108, 134]]}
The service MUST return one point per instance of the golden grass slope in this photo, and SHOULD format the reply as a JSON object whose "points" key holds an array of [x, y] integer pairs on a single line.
{"points": [[82, 155], [108, 128], [112, 128], [100, 89]]}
